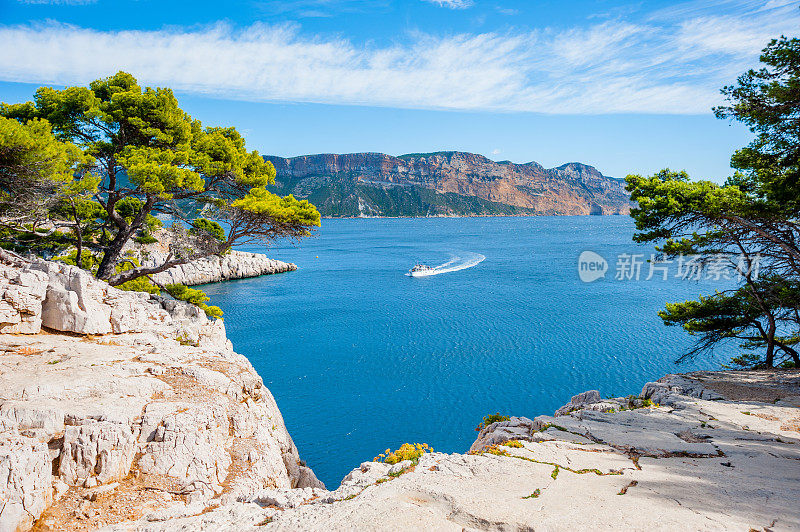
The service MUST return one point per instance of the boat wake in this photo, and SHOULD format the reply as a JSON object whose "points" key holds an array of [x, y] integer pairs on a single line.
{"points": [[466, 260]]}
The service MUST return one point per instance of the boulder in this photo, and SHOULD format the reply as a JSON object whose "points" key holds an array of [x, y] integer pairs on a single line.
{"points": [[21, 295], [516, 428], [579, 402]]}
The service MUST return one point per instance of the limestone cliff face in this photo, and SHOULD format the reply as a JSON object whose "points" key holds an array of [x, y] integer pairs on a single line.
{"points": [[445, 183], [234, 265], [703, 451], [114, 404]]}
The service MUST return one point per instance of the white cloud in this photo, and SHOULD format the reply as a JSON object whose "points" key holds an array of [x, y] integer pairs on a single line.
{"points": [[496, 151], [58, 2], [452, 4], [662, 65], [506, 11]]}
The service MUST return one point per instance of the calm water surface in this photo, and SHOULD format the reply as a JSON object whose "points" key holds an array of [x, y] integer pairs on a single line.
{"points": [[361, 357]]}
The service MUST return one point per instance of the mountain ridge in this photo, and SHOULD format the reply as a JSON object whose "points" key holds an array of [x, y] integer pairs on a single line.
{"points": [[445, 183]]}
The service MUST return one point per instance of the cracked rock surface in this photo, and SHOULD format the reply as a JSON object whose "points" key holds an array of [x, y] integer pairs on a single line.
{"points": [[125, 405], [704, 462]]}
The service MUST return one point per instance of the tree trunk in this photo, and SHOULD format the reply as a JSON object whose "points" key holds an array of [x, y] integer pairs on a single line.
{"points": [[770, 356], [78, 247], [114, 250], [78, 237], [111, 257], [791, 352]]}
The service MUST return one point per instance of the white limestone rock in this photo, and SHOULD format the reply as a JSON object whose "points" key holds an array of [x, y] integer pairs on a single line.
{"points": [[665, 389], [21, 296], [188, 442], [101, 451], [516, 428], [25, 481], [233, 265], [580, 401], [135, 400], [283, 498]]}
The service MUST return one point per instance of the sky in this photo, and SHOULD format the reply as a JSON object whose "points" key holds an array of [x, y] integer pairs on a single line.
{"points": [[625, 86]]}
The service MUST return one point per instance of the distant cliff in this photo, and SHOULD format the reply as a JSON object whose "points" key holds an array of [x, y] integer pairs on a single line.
{"points": [[445, 184]]}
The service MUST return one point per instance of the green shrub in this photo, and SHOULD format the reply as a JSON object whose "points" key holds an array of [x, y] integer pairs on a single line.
{"points": [[208, 226], [145, 238], [195, 297], [491, 418], [88, 260], [140, 284]]}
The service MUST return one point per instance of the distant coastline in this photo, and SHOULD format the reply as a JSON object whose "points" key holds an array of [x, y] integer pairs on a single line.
{"points": [[444, 184], [531, 215]]}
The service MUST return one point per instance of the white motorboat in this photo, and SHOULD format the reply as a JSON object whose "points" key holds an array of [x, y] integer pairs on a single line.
{"points": [[420, 270]]}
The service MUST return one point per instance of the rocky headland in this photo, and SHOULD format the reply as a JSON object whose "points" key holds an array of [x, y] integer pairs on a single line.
{"points": [[125, 411], [114, 404], [446, 183], [232, 265]]}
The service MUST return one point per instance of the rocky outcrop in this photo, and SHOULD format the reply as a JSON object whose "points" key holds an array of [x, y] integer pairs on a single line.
{"points": [[706, 462], [139, 395], [445, 183], [21, 294], [234, 265]]}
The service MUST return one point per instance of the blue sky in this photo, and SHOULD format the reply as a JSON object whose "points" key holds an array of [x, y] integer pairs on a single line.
{"points": [[625, 86]]}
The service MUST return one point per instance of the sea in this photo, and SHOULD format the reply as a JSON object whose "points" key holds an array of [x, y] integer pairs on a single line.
{"points": [[362, 357]]}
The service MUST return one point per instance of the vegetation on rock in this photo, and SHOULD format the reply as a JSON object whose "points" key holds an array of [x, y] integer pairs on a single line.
{"points": [[84, 170], [407, 451], [128, 153], [491, 418]]}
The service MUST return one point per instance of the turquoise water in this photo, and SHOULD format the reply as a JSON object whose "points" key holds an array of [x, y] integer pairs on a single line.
{"points": [[361, 357]]}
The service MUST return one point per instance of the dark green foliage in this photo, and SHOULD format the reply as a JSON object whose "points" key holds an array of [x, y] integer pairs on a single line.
{"points": [[24, 241], [144, 155], [750, 219], [491, 418], [209, 226], [767, 100], [145, 238], [195, 297]]}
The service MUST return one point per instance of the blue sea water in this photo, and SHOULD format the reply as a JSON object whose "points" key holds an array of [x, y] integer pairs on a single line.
{"points": [[361, 357]]}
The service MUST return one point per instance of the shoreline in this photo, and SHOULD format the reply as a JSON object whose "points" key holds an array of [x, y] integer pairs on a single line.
{"points": [[471, 216]]}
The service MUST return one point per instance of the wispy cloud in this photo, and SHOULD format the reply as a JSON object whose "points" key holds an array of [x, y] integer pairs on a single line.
{"points": [[318, 8], [670, 63], [452, 4], [506, 11], [58, 2]]}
